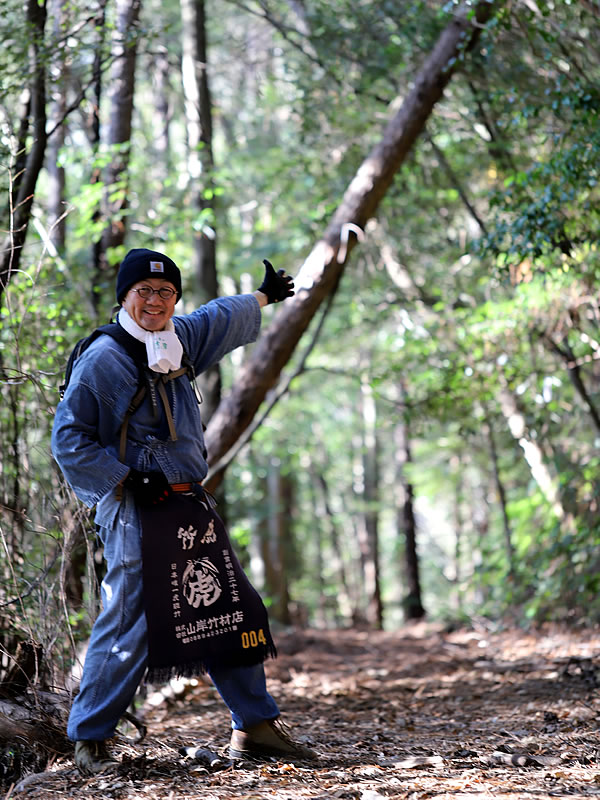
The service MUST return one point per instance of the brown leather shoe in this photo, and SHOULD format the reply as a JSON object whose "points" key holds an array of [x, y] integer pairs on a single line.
{"points": [[265, 740], [92, 758]]}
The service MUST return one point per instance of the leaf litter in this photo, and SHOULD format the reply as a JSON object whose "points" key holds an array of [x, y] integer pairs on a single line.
{"points": [[415, 713]]}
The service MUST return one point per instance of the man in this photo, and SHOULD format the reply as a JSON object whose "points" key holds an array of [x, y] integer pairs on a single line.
{"points": [[132, 474]]}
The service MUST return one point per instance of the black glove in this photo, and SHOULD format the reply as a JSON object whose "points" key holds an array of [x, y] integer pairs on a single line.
{"points": [[276, 285], [149, 488]]}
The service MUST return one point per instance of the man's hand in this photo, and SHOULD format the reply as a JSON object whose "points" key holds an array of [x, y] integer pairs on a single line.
{"points": [[276, 285], [149, 488]]}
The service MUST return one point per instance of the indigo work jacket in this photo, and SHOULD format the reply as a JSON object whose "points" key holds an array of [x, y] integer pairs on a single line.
{"points": [[85, 435]]}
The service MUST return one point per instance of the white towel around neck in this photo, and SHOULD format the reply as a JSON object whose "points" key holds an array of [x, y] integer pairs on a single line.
{"points": [[163, 347]]}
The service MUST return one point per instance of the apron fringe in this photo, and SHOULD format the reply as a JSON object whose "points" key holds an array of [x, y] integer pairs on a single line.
{"points": [[157, 675]]}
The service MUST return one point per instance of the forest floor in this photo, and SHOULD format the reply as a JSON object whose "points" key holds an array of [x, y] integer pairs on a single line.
{"points": [[417, 713]]}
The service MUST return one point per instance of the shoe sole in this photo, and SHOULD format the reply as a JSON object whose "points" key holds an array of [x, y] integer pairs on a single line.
{"points": [[261, 755]]}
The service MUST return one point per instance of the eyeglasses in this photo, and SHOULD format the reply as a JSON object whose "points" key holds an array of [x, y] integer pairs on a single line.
{"points": [[165, 292]]}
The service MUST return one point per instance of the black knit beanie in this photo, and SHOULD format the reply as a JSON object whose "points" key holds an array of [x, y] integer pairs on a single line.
{"points": [[141, 263]]}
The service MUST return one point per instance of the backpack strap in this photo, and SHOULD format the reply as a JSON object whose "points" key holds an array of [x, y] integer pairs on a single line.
{"points": [[159, 381], [136, 402], [134, 348]]}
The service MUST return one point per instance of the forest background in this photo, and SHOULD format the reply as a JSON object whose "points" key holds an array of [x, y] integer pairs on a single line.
{"points": [[416, 430]]}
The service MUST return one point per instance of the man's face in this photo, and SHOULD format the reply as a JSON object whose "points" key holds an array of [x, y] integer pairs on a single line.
{"points": [[150, 313]]}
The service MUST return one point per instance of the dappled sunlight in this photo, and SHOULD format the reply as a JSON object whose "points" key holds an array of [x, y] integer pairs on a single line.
{"points": [[392, 714]]}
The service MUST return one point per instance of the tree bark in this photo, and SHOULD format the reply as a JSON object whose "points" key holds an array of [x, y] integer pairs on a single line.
{"points": [[323, 267], [198, 113]]}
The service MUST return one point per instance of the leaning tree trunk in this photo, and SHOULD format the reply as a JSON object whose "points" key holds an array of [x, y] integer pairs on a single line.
{"points": [[323, 267]]}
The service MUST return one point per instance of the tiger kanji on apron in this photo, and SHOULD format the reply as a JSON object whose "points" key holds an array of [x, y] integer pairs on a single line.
{"points": [[202, 611]]}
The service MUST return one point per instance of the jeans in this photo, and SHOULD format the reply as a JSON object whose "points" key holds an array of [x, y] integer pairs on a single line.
{"points": [[117, 654]]}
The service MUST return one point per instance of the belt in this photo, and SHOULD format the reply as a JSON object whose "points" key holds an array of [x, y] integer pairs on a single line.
{"points": [[178, 488], [188, 488], [182, 487]]}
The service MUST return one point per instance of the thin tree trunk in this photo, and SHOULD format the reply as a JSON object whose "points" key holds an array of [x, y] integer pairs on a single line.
{"points": [[198, 112], [122, 84], [56, 173], [371, 503], [17, 499], [93, 133], [22, 200], [480, 516], [459, 528], [280, 493], [367, 565], [318, 542], [323, 267], [162, 96], [18, 154], [501, 492], [345, 604], [405, 512]]}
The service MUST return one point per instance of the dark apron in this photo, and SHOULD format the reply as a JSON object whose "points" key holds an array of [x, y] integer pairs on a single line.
{"points": [[201, 609]]}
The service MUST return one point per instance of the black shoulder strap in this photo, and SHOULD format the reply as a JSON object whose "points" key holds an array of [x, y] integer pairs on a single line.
{"points": [[134, 348]]}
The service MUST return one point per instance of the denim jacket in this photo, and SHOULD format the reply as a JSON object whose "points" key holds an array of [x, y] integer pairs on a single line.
{"points": [[85, 435]]}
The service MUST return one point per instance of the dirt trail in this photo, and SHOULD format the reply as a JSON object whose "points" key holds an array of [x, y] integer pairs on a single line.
{"points": [[415, 713]]}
